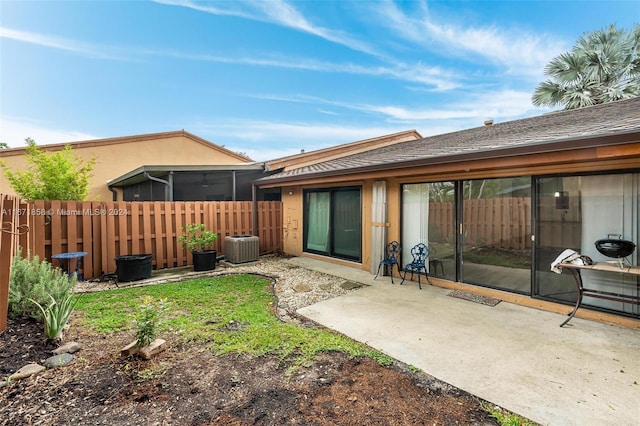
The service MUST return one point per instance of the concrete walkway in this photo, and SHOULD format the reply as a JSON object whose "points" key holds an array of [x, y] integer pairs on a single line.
{"points": [[585, 373]]}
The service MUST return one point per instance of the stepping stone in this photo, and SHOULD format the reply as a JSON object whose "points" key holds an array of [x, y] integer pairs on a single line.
{"points": [[302, 288], [27, 371], [58, 360], [350, 285], [69, 348]]}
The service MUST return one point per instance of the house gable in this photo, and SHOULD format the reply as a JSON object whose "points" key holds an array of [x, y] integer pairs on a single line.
{"points": [[117, 156], [328, 154]]}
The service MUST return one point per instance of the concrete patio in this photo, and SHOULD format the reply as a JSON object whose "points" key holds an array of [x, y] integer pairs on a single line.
{"points": [[586, 373]]}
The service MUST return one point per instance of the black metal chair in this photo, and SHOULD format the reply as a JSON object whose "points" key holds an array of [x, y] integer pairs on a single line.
{"points": [[391, 256], [420, 253]]}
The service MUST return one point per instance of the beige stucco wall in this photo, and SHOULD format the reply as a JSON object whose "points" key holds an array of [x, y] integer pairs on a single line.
{"points": [[292, 220], [117, 157], [607, 159], [292, 207]]}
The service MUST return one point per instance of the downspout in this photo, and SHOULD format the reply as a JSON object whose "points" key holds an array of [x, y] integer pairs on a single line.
{"points": [[168, 190], [233, 185], [254, 203], [114, 192]]}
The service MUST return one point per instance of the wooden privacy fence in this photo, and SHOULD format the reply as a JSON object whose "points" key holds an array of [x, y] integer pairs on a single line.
{"points": [[503, 222], [106, 230]]}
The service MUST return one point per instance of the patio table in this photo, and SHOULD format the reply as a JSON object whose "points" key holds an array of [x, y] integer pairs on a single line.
{"points": [[67, 259], [600, 294]]}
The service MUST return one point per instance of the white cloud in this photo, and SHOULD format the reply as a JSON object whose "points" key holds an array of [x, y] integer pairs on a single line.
{"points": [[518, 50], [434, 77], [275, 12], [60, 43], [13, 132], [262, 140], [505, 104]]}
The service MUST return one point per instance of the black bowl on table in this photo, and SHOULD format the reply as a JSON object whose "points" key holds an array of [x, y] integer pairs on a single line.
{"points": [[615, 247]]}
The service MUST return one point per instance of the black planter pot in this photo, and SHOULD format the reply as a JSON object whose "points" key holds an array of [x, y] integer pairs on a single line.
{"points": [[133, 267], [204, 260]]}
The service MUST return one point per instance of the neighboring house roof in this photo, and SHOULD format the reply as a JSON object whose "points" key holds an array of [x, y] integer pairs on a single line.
{"points": [[605, 124], [138, 175], [338, 151], [129, 139]]}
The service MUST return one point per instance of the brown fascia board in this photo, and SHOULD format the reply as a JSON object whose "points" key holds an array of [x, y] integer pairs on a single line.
{"points": [[567, 144], [127, 139], [343, 150]]}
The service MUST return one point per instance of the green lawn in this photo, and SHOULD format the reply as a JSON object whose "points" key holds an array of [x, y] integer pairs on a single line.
{"points": [[231, 313]]}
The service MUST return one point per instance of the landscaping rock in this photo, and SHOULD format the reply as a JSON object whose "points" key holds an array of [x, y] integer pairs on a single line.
{"points": [[130, 349], [27, 371], [302, 288], [325, 286], [58, 360], [69, 348], [350, 285], [153, 349]]}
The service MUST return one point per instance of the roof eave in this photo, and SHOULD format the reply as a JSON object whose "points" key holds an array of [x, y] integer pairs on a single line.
{"points": [[557, 145]]}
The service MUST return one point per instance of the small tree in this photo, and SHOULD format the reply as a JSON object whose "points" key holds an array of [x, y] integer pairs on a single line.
{"points": [[60, 175]]}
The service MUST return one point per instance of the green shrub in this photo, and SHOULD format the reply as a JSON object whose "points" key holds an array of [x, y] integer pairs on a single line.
{"points": [[197, 237], [32, 280], [56, 315], [147, 320]]}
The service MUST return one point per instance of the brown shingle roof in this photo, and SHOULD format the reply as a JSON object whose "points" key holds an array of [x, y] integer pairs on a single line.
{"points": [[550, 131]]}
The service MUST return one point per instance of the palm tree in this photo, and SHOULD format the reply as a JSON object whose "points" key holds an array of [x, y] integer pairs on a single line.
{"points": [[603, 66]]}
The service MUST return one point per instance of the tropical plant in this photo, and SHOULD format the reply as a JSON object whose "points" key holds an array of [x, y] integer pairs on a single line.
{"points": [[33, 280], [147, 319], [603, 66], [196, 237], [60, 175], [56, 315]]}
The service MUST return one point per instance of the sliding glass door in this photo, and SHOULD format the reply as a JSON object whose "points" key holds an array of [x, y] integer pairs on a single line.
{"points": [[428, 216], [496, 240], [574, 212], [333, 222], [480, 232]]}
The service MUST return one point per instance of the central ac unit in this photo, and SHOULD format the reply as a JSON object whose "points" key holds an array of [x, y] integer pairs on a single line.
{"points": [[241, 248]]}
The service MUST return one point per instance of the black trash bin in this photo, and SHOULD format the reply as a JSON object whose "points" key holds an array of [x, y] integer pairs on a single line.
{"points": [[133, 267]]}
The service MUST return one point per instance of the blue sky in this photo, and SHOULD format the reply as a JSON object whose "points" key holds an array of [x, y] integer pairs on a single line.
{"points": [[269, 78]]}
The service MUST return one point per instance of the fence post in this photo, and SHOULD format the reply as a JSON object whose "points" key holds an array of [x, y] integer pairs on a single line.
{"points": [[5, 262], [14, 223]]}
